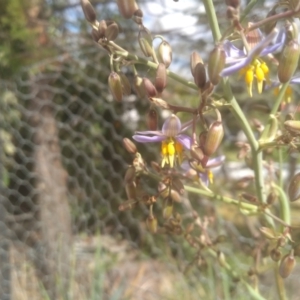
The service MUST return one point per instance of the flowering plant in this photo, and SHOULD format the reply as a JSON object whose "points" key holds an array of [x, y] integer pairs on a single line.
{"points": [[189, 151]]}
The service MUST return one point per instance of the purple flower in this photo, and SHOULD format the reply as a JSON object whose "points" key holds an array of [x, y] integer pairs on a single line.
{"points": [[205, 174], [171, 137]]}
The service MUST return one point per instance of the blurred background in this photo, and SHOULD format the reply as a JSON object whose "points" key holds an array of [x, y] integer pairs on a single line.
{"points": [[63, 161]]}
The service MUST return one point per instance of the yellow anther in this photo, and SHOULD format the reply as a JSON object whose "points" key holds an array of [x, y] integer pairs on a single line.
{"points": [[210, 176], [249, 76], [260, 76]]}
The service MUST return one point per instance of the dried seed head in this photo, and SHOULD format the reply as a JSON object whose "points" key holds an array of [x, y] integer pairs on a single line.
{"points": [[127, 8], [216, 63], [275, 254], [294, 188], [149, 87], [164, 53], [129, 146], [288, 62], [200, 75], [89, 11], [138, 17], [115, 86], [287, 265], [151, 223], [161, 77], [152, 119], [194, 60], [139, 86], [145, 41], [214, 138], [112, 31], [126, 86]]}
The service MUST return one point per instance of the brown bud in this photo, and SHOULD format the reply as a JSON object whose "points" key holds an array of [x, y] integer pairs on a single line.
{"points": [[287, 265], [114, 83], [149, 87], [216, 63], [129, 175], [139, 86], [294, 188], [145, 41], [102, 28], [233, 3], [127, 8], [138, 17], [160, 103], [151, 223], [214, 138], [131, 190], [275, 254], [161, 77], [129, 146], [164, 53], [288, 61], [126, 87], [249, 197], [89, 11], [194, 60], [152, 119], [272, 197], [200, 75], [112, 31]]}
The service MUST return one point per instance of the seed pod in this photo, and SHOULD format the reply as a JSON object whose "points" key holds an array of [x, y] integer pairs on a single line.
{"points": [[115, 86], [89, 11], [233, 3], [112, 31], [161, 78], [216, 63], [149, 87], [126, 87], [151, 223], [152, 119], [168, 209], [294, 188], [194, 60], [275, 254], [145, 41], [214, 138], [287, 265], [131, 190], [139, 86], [129, 175], [127, 8], [164, 53], [200, 75], [292, 126], [129, 146], [138, 17], [288, 62]]}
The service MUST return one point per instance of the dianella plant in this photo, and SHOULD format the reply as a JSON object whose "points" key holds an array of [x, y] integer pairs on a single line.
{"points": [[262, 57]]}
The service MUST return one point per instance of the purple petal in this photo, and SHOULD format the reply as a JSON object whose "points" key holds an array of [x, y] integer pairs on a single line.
{"points": [[232, 51], [204, 178], [295, 80], [184, 140], [215, 162], [149, 132], [148, 139], [172, 126], [234, 68]]}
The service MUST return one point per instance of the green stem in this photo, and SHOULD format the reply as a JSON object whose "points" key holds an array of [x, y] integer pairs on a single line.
{"points": [[279, 284]]}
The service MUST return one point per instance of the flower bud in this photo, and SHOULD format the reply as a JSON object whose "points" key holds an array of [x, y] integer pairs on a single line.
{"points": [[200, 75], [115, 86], [214, 138], [216, 63], [161, 78], [89, 11], [126, 87], [287, 265], [221, 258], [288, 62], [127, 8], [130, 189], [160, 102], [294, 188], [151, 223], [129, 175], [112, 31], [233, 3], [270, 25], [149, 87], [95, 35], [272, 197], [152, 119], [175, 196], [145, 41], [168, 209], [292, 126], [275, 254], [194, 60], [139, 87], [129, 146], [249, 197], [164, 53], [102, 28], [138, 17]]}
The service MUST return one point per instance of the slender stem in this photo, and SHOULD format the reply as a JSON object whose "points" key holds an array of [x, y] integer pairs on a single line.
{"points": [[279, 284]]}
